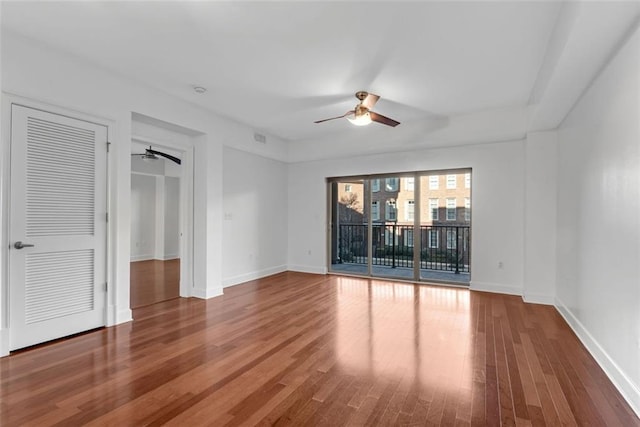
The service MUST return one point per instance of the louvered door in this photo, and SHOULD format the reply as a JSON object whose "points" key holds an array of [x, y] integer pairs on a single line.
{"points": [[58, 205]]}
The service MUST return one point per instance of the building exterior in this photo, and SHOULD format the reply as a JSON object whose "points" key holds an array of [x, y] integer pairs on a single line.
{"points": [[444, 222]]}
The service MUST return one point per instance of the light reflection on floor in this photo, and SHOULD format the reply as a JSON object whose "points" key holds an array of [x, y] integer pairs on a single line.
{"points": [[387, 329]]}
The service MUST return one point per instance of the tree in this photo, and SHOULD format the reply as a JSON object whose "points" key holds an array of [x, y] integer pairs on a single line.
{"points": [[348, 210]]}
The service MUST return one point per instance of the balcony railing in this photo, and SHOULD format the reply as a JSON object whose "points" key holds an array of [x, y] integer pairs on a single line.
{"points": [[442, 247]]}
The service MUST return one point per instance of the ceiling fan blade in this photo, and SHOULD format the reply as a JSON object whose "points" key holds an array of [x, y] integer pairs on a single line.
{"points": [[333, 118], [165, 155], [382, 119], [370, 100]]}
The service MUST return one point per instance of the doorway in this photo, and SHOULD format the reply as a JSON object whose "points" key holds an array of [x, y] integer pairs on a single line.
{"points": [[411, 226], [156, 173]]}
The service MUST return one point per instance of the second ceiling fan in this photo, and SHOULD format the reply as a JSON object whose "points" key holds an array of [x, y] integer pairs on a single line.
{"points": [[362, 115]]}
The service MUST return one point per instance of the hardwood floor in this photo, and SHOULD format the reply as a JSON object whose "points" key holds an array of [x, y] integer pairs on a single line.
{"points": [[302, 349], [154, 281]]}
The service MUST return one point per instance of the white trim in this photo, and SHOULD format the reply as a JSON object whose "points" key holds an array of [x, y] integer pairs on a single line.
{"points": [[625, 385], [538, 298], [149, 257], [4, 342], [116, 316], [143, 257], [242, 278], [495, 288], [307, 269], [206, 293]]}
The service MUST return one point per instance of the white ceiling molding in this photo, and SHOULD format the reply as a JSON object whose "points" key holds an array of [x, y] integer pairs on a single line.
{"points": [[588, 34]]}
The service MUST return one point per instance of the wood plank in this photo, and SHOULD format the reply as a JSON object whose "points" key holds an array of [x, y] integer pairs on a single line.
{"points": [[296, 349]]}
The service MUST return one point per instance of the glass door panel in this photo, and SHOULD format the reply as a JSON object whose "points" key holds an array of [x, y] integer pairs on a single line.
{"points": [[349, 227], [392, 228], [445, 224]]}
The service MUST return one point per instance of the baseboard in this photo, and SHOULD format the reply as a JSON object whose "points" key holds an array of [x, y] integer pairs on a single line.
{"points": [[135, 258], [495, 288], [307, 269], [206, 293], [4, 342], [538, 299], [241, 278], [629, 390], [116, 316]]}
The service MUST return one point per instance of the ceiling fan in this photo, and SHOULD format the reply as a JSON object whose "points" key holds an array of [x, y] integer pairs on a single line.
{"points": [[151, 155], [362, 115]]}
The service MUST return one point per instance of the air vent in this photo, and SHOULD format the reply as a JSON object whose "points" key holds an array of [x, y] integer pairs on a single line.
{"points": [[260, 138]]}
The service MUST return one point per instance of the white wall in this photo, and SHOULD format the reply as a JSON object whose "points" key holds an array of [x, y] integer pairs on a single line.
{"points": [[540, 217], [143, 217], [255, 213], [32, 71], [598, 280], [497, 200], [171, 217], [155, 226]]}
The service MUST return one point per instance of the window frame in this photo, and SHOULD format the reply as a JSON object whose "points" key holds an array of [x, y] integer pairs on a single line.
{"points": [[434, 182], [375, 203], [450, 210], [391, 206], [451, 181], [435, 209]]}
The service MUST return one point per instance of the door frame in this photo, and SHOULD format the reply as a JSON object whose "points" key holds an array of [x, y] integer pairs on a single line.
{"points": [[417, 234], [8, 100], [186, 207]]}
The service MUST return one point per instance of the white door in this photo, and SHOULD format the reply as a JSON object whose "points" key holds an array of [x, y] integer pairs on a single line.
{"points": [[57, 262]]}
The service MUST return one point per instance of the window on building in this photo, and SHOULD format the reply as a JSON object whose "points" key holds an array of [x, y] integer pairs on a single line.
{"points": [[391, 184], [451, 209], [433, 209], [375, 210], [389, 237], [467, 209], [433, 182], [467, 180], [408, 237], [347, 188], [409, 184], [451, 181], [451, 239], [391, 212], [432, 238], [409, 210], [375, 185]]}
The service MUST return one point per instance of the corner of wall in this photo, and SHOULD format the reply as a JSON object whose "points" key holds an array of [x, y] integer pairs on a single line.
{"points": [[307, 269], [206, 293], [495, 287], [625, 385], [532, 298], [116, 315]]}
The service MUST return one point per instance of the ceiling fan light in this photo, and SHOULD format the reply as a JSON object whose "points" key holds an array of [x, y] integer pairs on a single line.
{"points": [[149, 157], [360, 120]]}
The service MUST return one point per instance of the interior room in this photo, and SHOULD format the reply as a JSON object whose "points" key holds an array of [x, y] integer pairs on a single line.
{"points": [[307, 213]]}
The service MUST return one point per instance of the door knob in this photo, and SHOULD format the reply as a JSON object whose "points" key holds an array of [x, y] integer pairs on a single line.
{"points": [[20, 245]]}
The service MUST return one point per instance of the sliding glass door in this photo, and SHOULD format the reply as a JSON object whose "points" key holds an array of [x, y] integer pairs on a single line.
{"points": [[412, 226], [349, 227]]}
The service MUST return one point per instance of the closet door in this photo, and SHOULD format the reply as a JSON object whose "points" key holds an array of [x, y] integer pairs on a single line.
{"points": [[57, 262]]}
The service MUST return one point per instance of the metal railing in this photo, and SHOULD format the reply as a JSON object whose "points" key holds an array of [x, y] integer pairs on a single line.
{"points": [[442, 247]]}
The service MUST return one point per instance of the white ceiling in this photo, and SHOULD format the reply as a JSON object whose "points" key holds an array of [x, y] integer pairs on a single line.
{"points": [[278, 66]]}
